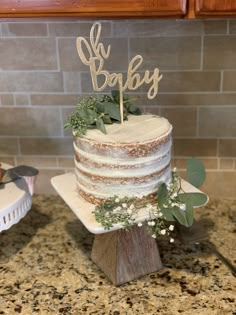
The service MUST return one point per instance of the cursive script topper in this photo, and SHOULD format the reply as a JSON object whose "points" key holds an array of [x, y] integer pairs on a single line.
{"points": [[93, 54]]}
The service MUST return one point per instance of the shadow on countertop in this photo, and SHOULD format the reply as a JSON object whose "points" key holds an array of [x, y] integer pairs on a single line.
{"points": [[19, 235]]}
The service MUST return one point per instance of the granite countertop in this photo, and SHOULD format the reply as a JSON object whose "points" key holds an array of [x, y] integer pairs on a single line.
{"points": [[45, 268]]}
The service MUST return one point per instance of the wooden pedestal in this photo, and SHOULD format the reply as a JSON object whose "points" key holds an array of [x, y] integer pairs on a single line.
{"points": [[126, 255]]}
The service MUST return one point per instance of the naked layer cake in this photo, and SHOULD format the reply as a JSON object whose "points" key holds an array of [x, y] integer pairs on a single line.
{"points": [[131, 160]]}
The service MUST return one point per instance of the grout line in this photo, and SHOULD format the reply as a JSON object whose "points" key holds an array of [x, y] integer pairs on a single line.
{"points": [[221, 80], [202, 53]]}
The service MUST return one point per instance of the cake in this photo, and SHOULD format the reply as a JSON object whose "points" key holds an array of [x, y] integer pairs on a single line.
{"points": [[131, 160]]}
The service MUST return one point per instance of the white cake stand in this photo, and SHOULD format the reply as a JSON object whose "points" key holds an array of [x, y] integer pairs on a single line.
{"points": [[15, 202], [117, 252]]}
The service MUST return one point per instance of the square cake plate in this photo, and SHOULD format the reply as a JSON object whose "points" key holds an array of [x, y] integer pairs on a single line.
{"points": [[65, 186]]}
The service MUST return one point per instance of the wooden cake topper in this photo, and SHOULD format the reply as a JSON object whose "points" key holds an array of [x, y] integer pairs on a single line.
{"points": [[93, 53]]}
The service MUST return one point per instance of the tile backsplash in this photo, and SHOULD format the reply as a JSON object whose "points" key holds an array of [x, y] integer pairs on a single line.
{"points": [[41, 78]]}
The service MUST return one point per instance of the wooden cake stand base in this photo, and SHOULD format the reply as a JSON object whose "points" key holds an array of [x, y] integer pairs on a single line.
{"points": [[126, 255], [121, 255]]}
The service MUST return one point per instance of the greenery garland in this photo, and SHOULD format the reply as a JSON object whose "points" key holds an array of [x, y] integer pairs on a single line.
{"points": [[96, 111], [172, 205]]}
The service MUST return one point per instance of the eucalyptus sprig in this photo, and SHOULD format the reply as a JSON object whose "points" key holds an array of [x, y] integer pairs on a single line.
{"points": [[172, 204], [96, 111]]}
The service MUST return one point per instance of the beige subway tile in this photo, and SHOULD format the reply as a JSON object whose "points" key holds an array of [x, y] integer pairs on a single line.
{"points": [[215, 26], [217, 122], [30, 121], [46, 146], [66, 162], [226, 164], [220, 184], [35, 161], [24, 29], [219, 52], [43, 181], [232, 26], [54, 99], [70, 60], [195, 147], [21, 99], [7, 99], [7, 160], [172, 53], [183, 120], [31, 82], [8, 146], [181, 163], [72, 82], [29, 54], [194, 99], [70, 28], [229, 81], [193, 81], [161, 27], [227, 147], [73, 28]]}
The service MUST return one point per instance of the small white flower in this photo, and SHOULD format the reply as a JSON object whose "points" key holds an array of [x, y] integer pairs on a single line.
{"points": [[174, 195], [132, 206], [149, 223], [140, 224], [165, 205], [174, 169], [118, 208], [154, 236], [182, 206], [171, 227], [172, 240], [160, 214], [117, 200], [124, 205], [172, 204], [129, 211], [163, 232]]}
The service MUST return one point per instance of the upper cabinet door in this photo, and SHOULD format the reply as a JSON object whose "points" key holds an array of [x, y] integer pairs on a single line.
{"points": [[215, 7], [93, 8]]}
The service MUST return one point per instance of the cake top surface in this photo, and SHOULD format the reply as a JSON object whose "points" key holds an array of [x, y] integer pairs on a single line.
{"points": [[136, 129]]}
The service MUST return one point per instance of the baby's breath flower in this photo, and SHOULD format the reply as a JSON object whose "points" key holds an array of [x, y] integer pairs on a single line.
{"points": [[117, 200], [172, 240], [118, 208], [171, 227], [163, 232], [140, 224], [165, 205], [154, 236], [124, 205], [174, 169], [182, 206], [131, 206], [129, 211]]}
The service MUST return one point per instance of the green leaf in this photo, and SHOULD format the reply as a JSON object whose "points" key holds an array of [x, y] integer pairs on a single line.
{"points": [[106, 119], [184, 217], [100, 125], [88, 115], [167, 214], [196, 199], [116, 96], [132, 109], [162, 195], [113, 110], [196, 174]]}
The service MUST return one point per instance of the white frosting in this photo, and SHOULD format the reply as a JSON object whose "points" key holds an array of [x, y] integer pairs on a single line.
{"points": [[136, 129], [106, 165]]}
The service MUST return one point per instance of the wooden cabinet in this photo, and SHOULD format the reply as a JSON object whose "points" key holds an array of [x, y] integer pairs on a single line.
{"points": [[218, 8], [118, 8], [93, 8]]}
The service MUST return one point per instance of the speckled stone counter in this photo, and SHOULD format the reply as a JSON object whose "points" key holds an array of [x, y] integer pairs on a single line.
{"points": [[45, 268]]}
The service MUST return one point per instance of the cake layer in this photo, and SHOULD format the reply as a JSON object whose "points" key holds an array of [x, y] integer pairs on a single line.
{"points": [[131, 160]]}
